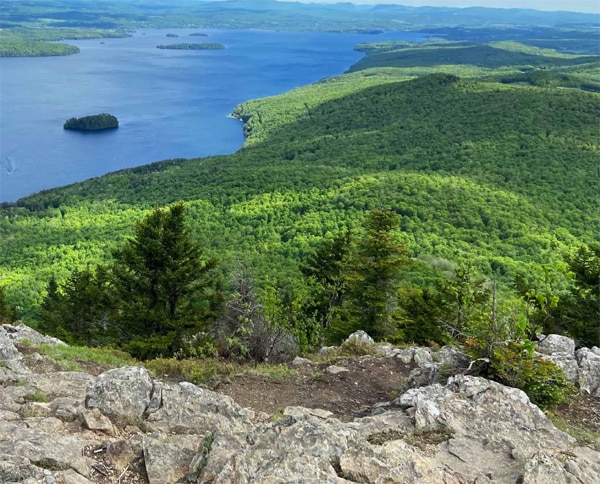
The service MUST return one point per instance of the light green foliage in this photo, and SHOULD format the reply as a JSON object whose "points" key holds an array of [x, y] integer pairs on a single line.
{"points": [[582, 307], [265, 326], [36, 42], [243, 315], [37, 396], [195, 370], [272, 372], [492, 56], [325, 271], [424, 311], [70, 356], [206, 370], [514, 365], [542, 291], [577, 430]]}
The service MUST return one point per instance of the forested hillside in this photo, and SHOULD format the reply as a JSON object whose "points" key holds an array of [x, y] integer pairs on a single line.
{"points": [[25, 28], [498, 177]]}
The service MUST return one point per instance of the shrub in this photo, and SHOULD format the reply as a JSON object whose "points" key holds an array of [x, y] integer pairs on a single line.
{"points": [[515, 365]]}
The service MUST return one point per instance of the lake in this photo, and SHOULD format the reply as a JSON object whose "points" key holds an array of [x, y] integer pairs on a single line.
{"points": [[170, 103]]}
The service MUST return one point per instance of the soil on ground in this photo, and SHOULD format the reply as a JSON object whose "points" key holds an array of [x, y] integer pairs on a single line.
{"points": [[348, 394]]}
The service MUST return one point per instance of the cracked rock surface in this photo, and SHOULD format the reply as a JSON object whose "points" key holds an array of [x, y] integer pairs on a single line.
{"points": [[123, 426]]}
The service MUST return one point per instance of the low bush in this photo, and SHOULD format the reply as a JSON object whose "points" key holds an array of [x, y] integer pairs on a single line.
{"points": [[515, 365]]}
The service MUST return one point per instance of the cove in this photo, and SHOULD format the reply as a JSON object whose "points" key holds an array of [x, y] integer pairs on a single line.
{"points": [[170, 103]]}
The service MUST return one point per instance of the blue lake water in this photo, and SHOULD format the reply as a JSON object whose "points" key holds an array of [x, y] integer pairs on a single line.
{"points": [[170, 103]]}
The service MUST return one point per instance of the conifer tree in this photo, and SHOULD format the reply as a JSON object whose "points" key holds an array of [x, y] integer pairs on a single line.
{"points": [[164, 284], [374, 276], [8, 312], [582, 309], [326, 271]]}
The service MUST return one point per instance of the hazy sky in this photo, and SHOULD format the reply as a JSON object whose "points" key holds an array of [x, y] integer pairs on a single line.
{"points": [[592, 6]]}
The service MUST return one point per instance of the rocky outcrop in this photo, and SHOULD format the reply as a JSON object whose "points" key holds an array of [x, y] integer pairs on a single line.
{"points": [[589, 370], [581, 367], [22, 333], [125, 426], [122, 392], [9, 355]]}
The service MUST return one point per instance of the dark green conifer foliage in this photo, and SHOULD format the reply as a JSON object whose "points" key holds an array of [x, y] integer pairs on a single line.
{"points": [[325, 270], [8, 312], [424, 312], [374, 276], [583, 307], [50, 318], [164, 284], [78, 311]]}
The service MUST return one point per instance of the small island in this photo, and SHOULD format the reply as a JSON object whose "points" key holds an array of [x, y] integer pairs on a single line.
{"points": [[198, 34], [172, 35], [97, 122], [186, 46]]}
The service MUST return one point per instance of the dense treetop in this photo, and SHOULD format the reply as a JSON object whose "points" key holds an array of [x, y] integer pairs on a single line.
{"points": [[96, 122]]}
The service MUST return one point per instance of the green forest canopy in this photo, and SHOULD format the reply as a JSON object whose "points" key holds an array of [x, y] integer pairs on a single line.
{"points": [[497, 174]]}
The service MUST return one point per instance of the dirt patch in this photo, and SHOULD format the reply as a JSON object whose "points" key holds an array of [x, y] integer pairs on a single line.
{"points": [[348, 394], [580, 417]]}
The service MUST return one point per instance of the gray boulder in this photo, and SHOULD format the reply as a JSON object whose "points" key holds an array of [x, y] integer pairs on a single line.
{"points": [[7, 348], [405, 355], [422, 357], [334, 369], [168, 460], [68, 409], [10, 356], [71, 384], [187, 409], [452, 358], [567, 364], [121, 392], [22, 333], [284, 451], [554, 344], [589, 369], [359, 337], [393, 461], [45, 446], [94, 420], [299, 361]]}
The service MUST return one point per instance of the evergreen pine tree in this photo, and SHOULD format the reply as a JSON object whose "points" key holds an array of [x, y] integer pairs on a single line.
{"points": [[164, 284]]}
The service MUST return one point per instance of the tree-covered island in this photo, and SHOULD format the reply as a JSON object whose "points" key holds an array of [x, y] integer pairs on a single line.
{"points": [[193, 46], [96, 122]]}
